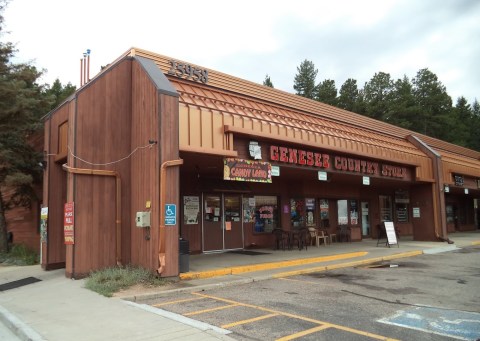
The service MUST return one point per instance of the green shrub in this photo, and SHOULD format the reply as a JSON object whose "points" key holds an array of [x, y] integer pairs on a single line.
{"points": [[20, 254], [110, 280]]}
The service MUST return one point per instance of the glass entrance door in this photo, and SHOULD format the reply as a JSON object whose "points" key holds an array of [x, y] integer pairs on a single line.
{"points": [[222, 222], [233, 233], [212, 223], [365, 219]]}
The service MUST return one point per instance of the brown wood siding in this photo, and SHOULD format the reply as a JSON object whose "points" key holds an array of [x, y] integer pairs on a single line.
{"points": [[101, 135], [145, 168], [55, 189], [169, 137]]}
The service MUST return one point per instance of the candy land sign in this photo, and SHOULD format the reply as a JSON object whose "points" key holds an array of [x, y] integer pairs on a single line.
{"points": [[247, 170], [68, 223]]}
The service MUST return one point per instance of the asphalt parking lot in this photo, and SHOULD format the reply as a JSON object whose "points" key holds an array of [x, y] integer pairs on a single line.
{"points": [[428, 297]]}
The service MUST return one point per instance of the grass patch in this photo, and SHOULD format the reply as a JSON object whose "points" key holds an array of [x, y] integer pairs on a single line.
{"points": [[108, 281], [20, 254]]}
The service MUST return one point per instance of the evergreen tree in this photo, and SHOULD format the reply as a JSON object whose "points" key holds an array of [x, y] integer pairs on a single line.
{"points": [[304, 82], [378, 96], [474, 138], [459, 122], [268, 81], [326, 92], [59, 93], [433, 103], [402, 106], [348, 95], [22, 103]]}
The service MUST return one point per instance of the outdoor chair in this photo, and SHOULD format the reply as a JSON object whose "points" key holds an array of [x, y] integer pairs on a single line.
{"points": [[281, 239]]}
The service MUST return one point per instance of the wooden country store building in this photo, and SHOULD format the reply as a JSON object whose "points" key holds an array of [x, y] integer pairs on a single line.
{"points": [[153, 149]]}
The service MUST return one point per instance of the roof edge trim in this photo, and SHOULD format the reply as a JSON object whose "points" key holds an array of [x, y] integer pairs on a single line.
{"points": [[419, 143], [156, 75]]}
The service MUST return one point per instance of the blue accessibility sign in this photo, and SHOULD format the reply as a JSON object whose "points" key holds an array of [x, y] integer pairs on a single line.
{"points": [[170, 214]]}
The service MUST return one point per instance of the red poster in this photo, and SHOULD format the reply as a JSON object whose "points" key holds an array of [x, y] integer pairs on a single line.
{"points": [[68, 222]]}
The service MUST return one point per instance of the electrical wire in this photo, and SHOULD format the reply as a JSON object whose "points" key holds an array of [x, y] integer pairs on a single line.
{"points": [[150, 145]]}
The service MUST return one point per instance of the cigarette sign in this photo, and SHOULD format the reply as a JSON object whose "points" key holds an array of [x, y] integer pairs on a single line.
{"points": [[68, 223]]}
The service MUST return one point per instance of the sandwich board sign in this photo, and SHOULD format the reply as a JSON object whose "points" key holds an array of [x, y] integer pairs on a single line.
{"points": [[390, 231]]}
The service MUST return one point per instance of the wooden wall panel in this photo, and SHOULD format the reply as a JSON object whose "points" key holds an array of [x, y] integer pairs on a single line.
{"points": [[102, 135], [170, 151], [145, 168]]}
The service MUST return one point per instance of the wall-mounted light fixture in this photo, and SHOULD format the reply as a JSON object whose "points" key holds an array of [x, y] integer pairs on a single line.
{"points": [[446, 189]]}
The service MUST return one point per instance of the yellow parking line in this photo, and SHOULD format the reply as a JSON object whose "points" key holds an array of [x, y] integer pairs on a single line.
{"points": [[305, 332], [303, 318], [347, 264], [255, 319], [268, 266], [209, 310], [476, 243], [178, 301]]}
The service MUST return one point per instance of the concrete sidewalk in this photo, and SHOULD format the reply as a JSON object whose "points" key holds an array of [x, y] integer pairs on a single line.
{"points": [[57, 308]]}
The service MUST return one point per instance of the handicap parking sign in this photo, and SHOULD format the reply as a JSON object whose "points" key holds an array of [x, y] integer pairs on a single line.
{"points": [[170, 214]]}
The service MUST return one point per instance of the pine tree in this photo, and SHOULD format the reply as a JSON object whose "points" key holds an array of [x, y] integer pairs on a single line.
{"points": [[268, 81], [22, 103], [326, 92], [304, 82], [348, 95]]}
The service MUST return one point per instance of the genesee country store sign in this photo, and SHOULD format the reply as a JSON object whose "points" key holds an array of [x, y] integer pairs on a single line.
{"points": [[246, 170], [338, 163]]}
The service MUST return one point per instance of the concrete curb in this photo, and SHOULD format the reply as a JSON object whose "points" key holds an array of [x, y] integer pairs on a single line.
{"points": [[19, 328], [243, 280], [267, 266]]}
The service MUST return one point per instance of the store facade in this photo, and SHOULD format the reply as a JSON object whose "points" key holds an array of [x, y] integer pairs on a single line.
{"points": [[221, 162]]}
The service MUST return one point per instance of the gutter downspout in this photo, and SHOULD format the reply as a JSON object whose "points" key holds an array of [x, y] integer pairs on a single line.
{"points": [[161, 243], [437, 187], [118, 202]]}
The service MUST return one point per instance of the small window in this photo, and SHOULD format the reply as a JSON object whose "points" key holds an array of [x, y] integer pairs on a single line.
{"points": [[62, 141]]}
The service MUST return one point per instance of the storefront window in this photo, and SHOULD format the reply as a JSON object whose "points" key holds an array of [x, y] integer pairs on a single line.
{"points": [[310, 209], [402, 213], [262, 211], [353, 212], [324, 213], [385, 208], [342, 210], [297, 212]]}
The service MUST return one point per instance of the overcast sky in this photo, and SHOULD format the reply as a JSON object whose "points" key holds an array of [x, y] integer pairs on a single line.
{"points": [[248, 39]]}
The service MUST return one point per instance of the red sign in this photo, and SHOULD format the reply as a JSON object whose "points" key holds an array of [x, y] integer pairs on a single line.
{"points": [[68, 223], [246, 170], [338, 163]]}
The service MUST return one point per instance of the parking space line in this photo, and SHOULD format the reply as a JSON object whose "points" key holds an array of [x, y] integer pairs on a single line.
{"points": [[209, 310], [255, 319], [177, 301], [303, 333], [303, 318]]}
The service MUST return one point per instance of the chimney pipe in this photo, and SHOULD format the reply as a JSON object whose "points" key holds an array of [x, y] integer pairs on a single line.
{"points": [[84, 68], [88, 65], [81, 72]]}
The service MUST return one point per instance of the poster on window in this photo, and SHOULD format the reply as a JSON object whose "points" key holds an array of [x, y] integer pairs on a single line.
{"points": [[191, 210]]}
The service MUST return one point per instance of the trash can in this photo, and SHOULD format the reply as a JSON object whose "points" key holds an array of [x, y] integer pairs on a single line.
{"points": [[183, 259]]}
